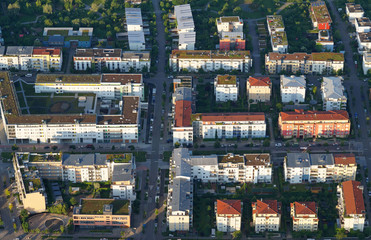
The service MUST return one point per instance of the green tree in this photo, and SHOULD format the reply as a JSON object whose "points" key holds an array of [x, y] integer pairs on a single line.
{"points": [[314, 90], [340, 233], [61, 228], [237, 235], [15, 227], [25, 227], [48, 9], [219, 235], [73, 201], [217, 144], [48, 22], [266, 143], [7, 193], [11, 206]]}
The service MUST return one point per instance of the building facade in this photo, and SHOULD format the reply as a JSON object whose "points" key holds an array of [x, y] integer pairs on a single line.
{"points": [[320, 15], [226, 88], [354, 11], [228, 215], [314, 124], [259, 89], [266, 215], [333, 96], [185, 27], [209, 60], [304, 216], [366, 62], [351, 206], [183, 130], [229, 125], [362, 24], [292, 88]]}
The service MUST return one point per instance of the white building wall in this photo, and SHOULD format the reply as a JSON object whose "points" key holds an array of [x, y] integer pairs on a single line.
{"points": [[267, 223], [294, 94], [228, 224], [183, 135], [254, 130]]}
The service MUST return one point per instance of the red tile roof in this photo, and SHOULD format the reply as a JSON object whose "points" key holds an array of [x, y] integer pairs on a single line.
{"points": [[260, 81], [46, 51], [228, 207], [266, 207], [183, 112], [304, 208], [224, 117], [345, 158], [300, 115], [353, 198]]}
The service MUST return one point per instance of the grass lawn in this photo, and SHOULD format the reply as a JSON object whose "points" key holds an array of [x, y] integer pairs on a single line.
{"points": [[29, 90], [21, 101], [56, 105]]}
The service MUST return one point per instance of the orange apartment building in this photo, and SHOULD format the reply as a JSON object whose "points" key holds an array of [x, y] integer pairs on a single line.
{"points": [[314, 124], [102, 212]]}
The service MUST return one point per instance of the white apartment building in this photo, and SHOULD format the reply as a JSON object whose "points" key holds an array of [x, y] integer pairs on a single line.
{"points": [[293, 88], [205, 168], [111, 59], [255, 168], [185, 27], [304, 216], [279, 42], [226, 88], [134, 20], [297, 167], [366, 62], [229, 125], [351, 206], [228, 215], [275, 24], [363, 24], [266, 215], [364, 42], [136, 41], [30, 58], [209, 60], [354, 11], [229, 24], [104, 86], [123, 181], [183, 130], [316, 168], [333, 96], [121, 126]]}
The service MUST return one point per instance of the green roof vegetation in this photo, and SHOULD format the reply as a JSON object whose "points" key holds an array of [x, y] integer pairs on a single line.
{"points": [[230, 158], [206, 54], [36, 184], [79, 38], [57, 32], [279, 38], [196, 117], [325, 56], [120, 158], [7, 94], [95, 206], [67, 78], [45, 158], [230, 19], [227, 79]]}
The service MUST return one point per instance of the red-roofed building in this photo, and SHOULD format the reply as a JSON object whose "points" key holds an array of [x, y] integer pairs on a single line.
{"points": [[351, 206], [183, 130], [229, 125], [259, 89], [345, 167], [228, 215], [312, 124], [320, 16], [44, 59], [266, 215], [304, 216]]}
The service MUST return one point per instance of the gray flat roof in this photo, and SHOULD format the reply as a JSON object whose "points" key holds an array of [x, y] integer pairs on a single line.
{"points": [[136, 36], [181, 161], [84, 159], [122, 172], [133, 16], [322, 159], [293, 81], [184, 16], [204, 160], [187, 37], [332, 87], [142, 55], [2, 50], [183, 93], [19, 50], [181, 194], [298, 160]]}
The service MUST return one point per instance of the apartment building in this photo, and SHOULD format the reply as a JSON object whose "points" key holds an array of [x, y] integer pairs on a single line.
{"points": [[134, 25], [46, 59], [210, 60], [354, 11], [49, 165], [102, 213], [180, 193], [345, 167], [185, 27], [18, 57], [259, 89], [182, 81], [366, 62], [255, 168], [276, 29], [111, 60], [292, 88], [316, 168], [67, 37], [104, 86], [320, 15], [136, 41], [204, 168], [226, 88], [230, 31], [29, 185], [364, 41], [315, 63], [183, 130], [304, 216], [119, 126], [333, 96], [325, 40], [228, 215], [275, 24], [351, 206], [362, 24], [314, 124], [266, 215], [229, 125], [123, 176]]}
